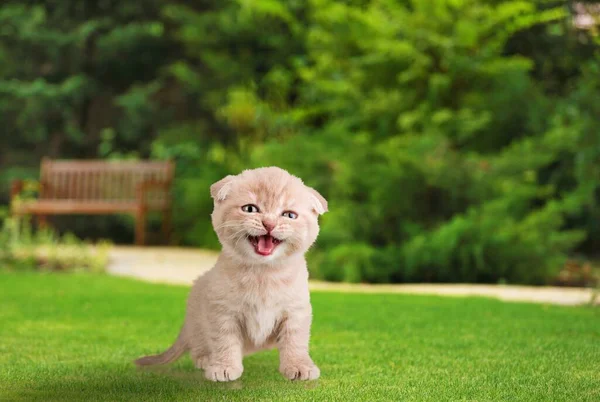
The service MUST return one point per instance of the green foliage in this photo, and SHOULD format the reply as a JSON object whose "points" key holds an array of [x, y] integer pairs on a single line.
{"points": [[63, 80], [434, 145], [454, 140], [23, 247]]}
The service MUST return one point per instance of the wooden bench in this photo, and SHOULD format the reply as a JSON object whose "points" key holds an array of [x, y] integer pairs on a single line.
{"points": [[101, 187]]}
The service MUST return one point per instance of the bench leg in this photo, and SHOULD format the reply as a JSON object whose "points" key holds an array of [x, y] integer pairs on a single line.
{"points": [[140, 227], [166, 225], [42, 221]]}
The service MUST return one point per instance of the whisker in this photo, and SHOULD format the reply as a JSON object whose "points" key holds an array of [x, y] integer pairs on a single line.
{"points": [[228, 224], [238, 240], [236, 234]]}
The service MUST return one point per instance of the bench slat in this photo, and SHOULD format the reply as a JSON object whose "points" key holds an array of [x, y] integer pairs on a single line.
{"points": [[103, 181], [103, 187], [46, 207]]}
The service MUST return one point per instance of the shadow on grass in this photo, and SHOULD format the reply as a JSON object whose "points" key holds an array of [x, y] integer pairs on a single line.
{"points": [[178, 382]]}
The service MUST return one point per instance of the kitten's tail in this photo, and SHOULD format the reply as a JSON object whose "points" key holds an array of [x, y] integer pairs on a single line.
{"points": [[169, 355]]}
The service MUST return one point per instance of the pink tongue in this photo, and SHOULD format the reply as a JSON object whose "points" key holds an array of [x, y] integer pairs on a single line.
{"points": [[265, 245]]}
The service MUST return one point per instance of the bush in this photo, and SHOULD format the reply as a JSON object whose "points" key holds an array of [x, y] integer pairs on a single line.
{"points": [[432, 141], [454, 140], [23, 247]]}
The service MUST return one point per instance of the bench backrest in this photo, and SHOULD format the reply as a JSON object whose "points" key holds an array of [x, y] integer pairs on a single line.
{"points": [[104, 181]]}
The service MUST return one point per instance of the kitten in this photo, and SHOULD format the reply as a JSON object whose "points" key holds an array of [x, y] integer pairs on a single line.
{"points": [[256, 296]]}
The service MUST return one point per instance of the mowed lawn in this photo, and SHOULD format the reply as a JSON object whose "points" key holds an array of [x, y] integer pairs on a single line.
{"points": [[74, 336]]}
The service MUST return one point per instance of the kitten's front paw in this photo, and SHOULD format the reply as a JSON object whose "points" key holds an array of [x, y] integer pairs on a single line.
{"points": [[300, 371], [223, 373]]}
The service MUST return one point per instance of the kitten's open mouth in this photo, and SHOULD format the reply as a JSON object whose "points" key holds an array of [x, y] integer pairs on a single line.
{"points": [[264, 245]]}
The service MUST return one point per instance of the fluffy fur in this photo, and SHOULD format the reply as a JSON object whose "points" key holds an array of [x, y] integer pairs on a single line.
{"points": [[250, 301]]}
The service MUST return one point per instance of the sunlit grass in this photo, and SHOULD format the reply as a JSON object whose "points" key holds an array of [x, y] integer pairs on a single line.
{"points": [[74, 336]]}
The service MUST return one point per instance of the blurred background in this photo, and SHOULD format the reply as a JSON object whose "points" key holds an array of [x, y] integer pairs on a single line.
{"points": [[456, 140]]}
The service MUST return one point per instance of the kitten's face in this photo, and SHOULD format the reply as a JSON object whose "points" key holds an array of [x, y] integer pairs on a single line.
{"points": [[264, 215]]}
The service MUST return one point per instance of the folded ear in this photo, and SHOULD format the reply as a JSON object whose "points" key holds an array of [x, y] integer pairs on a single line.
{"points": [[319, 202], [220, 189]]}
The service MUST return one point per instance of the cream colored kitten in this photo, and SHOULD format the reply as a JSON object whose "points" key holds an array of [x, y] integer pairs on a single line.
{"points": [[256, 296]]}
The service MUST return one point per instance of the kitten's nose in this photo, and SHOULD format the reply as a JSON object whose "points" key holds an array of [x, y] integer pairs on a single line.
{"points": [[269, 226]]}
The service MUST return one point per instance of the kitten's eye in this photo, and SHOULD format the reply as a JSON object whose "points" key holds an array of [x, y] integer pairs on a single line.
{"points": [[250, 208], [290, 214]]}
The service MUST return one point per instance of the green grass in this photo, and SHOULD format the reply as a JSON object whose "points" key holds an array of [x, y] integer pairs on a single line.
{"points": [[74, 336]]}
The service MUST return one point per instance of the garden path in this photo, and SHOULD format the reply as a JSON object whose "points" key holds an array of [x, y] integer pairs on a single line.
{"points": [[182, 265]]}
